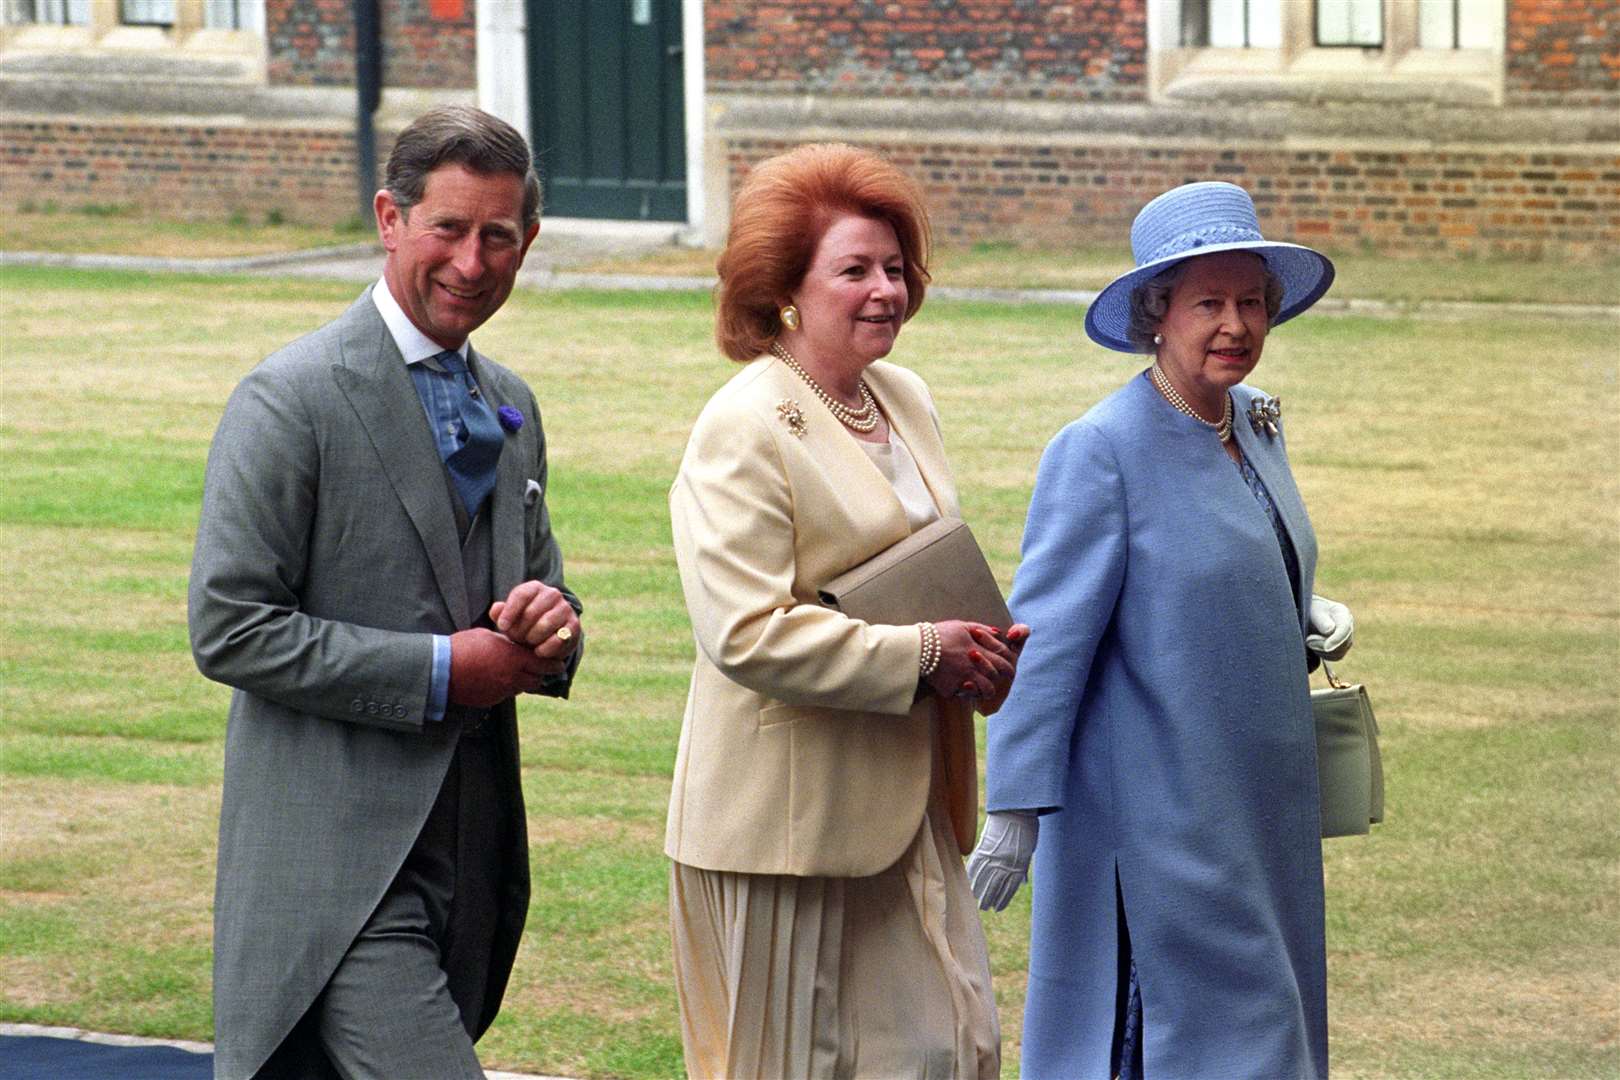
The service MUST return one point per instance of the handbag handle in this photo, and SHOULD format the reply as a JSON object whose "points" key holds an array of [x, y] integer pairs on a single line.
{"points": [[1333, 680]]}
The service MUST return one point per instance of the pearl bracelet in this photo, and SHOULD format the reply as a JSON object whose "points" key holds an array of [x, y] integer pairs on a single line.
{"points": [[928, 662]]}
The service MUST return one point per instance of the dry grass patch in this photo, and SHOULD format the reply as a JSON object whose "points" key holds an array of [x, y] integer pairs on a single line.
{"points": [[33, 983], [49, 816], [557, 831], [1480, 1006], [103, 229]]}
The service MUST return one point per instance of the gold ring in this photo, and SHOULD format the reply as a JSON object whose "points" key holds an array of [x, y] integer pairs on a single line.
{"points": [[564, 634]]}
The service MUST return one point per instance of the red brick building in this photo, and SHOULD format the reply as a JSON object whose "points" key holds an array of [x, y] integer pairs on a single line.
{"points": [[1489, 126]]}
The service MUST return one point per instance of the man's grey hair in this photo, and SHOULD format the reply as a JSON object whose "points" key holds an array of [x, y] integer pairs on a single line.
{"points": [[1150, 301], [459, 135]]}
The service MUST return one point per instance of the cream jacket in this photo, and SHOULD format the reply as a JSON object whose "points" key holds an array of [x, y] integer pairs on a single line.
{"points": [[802, 750]]}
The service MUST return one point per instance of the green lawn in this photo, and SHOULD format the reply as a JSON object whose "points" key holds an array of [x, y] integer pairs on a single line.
{"points": [[110, 229], [120, 230], [1362, 275], [1461, 476]]}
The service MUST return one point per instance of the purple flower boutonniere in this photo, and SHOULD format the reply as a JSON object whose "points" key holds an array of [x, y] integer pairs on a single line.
{"points": [[510, 418]]}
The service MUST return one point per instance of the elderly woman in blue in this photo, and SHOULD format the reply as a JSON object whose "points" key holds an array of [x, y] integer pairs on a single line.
{"points": [[1158, 743]]}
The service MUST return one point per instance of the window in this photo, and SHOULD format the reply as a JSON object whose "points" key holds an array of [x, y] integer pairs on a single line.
{"points": [[175, 20], [1231, 24], [1455, 24], [233, 15], [1300, 49], [48, 12], [226, 37], [1357, 23], [146, 12]]}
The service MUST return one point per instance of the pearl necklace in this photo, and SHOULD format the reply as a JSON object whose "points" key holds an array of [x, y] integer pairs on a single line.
{"points": [[1222, 429], [862, 420]]}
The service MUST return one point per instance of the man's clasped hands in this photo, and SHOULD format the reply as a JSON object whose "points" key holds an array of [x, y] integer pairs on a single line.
{"points": [[536, 634]]}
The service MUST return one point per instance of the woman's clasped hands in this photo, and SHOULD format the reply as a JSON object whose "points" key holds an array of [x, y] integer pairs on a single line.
{"points": [[975, 660]]}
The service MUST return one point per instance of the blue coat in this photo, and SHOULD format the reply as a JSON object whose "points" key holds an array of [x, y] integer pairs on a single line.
{"points": [[1161, 722]]}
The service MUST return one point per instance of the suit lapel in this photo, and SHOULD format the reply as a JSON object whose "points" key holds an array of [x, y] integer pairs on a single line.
{"points": [[505, 505], [838, 454], [1265, 455], [373, 377]]}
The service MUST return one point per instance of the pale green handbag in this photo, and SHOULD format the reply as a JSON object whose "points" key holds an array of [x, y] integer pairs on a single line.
{"points": [[1348, 766]]}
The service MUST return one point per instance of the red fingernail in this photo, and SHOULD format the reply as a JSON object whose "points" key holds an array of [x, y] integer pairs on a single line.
{"points": [[973, 654], [967, 684]]}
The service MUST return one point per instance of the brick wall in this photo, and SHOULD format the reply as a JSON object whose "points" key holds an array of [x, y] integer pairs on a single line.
{"points": [[431, 43], [183, 170], [1072, 50], [309, 42], [1564, 205], [427, 44], [1564, 52]]}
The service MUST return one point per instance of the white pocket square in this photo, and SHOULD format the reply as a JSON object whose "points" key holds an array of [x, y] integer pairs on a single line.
{"points": [[531, 492]]}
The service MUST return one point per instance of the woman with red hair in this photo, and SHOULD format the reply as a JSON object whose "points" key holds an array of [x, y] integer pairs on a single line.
{"points": [[825, 786]]}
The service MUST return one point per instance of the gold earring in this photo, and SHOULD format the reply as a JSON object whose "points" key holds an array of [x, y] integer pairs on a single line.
{"points": [[790, 317]]}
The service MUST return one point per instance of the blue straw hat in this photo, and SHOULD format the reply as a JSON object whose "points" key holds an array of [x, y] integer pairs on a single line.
{"points": [[1202, 219]]}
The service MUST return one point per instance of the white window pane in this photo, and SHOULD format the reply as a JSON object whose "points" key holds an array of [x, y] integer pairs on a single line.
{"points": [[1332, 21], [148, 12], [1349, 22], [219, 14], [1435, 24], [1369, 22], [1226, 23], [234, 15], [1265, 24], [45, 12], [1477, 24]]}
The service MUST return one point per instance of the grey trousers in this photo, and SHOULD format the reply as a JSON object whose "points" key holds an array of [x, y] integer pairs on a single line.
{"points": [[406, 997]]}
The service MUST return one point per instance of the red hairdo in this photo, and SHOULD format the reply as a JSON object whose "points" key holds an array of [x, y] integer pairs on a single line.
{"points": [[781, 211]]}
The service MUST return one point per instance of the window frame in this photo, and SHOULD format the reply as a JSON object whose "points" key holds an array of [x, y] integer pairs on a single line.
{"points": [[1383, 28], [125, 19], [107, 32], [1179, 72]]}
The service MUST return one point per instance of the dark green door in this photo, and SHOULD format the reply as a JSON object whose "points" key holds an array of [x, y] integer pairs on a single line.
{"points": [[607, 108]]}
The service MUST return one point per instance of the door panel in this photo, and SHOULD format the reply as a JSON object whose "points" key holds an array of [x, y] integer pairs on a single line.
{"points": [[606, 97]]}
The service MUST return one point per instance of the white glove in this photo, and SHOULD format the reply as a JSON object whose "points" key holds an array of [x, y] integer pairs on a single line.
{"points": [[1331, 628], [1001, 861]]}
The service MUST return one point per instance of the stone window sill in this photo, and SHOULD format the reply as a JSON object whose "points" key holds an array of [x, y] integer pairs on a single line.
{"points": [[1472, 76]]}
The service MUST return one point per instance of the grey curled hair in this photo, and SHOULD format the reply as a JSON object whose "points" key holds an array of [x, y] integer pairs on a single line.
{"points": [[1151, 300]]}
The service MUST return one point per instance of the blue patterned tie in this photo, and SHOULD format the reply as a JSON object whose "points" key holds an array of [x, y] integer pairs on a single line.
{"points": [[472, 464]]}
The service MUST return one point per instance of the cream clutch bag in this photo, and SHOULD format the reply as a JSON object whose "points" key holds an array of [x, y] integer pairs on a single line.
{"points": [[935, 574]]}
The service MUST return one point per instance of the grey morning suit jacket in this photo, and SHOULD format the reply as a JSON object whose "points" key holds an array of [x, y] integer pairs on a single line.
{"points": [[326, 556]]}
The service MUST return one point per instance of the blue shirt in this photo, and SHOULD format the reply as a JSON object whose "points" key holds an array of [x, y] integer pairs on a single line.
{"points": [[419, 351]]}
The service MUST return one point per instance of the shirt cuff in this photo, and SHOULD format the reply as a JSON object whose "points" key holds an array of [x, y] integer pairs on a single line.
{"points": [[439, 682]]}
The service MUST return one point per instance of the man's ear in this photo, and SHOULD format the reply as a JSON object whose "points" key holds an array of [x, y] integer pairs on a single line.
{"points": [[534, 231], [390, 219]]}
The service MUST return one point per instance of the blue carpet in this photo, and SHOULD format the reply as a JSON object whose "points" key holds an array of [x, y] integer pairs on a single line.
{"points": [[40, 1057]]}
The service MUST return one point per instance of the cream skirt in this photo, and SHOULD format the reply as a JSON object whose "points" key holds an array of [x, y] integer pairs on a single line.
{"points": [[882, 976]]}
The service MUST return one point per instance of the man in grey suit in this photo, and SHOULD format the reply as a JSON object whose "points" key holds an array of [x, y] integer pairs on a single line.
{"points": [[376, 576]]}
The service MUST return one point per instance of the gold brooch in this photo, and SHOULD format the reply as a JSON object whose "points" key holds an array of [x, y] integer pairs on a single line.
{"points": [[791, 415]]}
